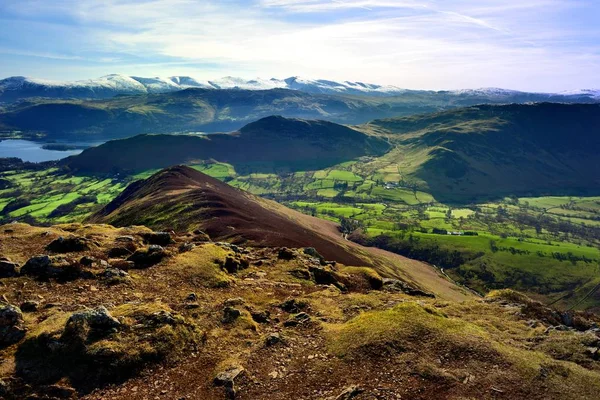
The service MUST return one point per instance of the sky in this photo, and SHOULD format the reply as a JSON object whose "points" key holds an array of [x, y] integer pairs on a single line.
{"points": [[534, 45]]}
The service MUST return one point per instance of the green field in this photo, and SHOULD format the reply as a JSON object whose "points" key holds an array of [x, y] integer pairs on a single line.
{"points": [[545, 246]]}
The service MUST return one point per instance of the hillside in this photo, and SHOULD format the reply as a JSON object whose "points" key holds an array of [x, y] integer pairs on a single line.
{"points": [[190, 110], [183, 199], [98, 312], [500, 150], [267, 144]]}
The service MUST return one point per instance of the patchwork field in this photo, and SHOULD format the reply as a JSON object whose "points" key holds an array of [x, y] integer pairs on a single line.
{"points": [[545, 246]]}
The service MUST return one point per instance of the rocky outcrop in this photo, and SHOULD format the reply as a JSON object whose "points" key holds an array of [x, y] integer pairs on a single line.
{"points": [[8, 268], [12, 327], [68, 244]]}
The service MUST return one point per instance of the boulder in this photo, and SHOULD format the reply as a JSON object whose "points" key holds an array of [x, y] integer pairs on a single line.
{"points": [[230, 314], [297, 319], [158, 238], [395, 285], [292, 305], [200, 236], [235, 264], [11, 325], [185, 247], [235, 301], [324, 276], [30, 306], [112, 274], [286, 254], [311, 251], [117, 252], [262, 317], [272, 339], [125, 239], [45, 267], [148, 257], [68, 245], [96, 323], [350, 392], [227, 380], [8, 268]]}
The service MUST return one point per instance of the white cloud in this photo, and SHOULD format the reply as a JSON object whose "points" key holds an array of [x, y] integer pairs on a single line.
{"points": [[416, 44]]}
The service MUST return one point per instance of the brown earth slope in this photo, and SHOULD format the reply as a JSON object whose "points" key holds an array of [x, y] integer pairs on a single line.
{"points": [[216, 321], [183, 199]]}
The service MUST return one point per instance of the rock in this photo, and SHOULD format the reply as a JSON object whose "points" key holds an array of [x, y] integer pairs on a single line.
{"points": [[297, 319], [262, 317], [45, 267], [117, 252], [324, 276], [230, 314], [292, 306], [87, 261], [350, 392], [145, 258], [227, 380], [98, 321], [122, 264], [68, 245], [235, 264], [567, 318], [593, 352], [11, 325], [185, 247], [113, 276], [272, 339], [8, 269], [191, 306], [395, 285], [311, 251], [200, 236], [301, 274], [235, 301], [286, 254], [30, 306], [158, 238], [59, 392], [125, 239], [191, 297]]}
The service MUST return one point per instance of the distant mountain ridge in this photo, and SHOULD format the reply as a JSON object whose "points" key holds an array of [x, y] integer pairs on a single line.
{"points": [[19, 87]]}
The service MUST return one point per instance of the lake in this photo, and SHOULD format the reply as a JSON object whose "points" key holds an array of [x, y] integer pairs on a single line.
{"points": [[27, 150]]}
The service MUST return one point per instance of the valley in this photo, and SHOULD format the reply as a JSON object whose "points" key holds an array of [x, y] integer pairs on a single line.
{"points": [[545, 246]]}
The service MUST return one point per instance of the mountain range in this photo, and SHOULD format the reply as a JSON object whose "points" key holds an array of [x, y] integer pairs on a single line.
{"points": [[19, 87]]}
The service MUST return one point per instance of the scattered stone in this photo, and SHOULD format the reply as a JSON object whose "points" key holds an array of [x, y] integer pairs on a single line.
{"points": [[45, 267], [292, 306], [262, 317], [11, 325], [87, 260], [286, 254], [30, 306], [117, 252], [125, 239], [301, 274], [68, 245], [227, 380], [158, 238], [311, 251], [8, 269], [324, 276], [200, 236], [191, 297], [395, 285], [297, 319], [235, 301], [185, 247], [98, 321], [145, 258], [122, 264], [350, 392], [235, 264], [230, 314], [272, 339]]}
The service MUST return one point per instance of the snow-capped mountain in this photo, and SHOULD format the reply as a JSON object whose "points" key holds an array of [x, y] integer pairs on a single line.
{"points": [[18, 87]]}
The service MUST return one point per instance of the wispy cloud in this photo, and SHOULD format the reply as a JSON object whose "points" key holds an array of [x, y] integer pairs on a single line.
{"points": [[535, 45]]}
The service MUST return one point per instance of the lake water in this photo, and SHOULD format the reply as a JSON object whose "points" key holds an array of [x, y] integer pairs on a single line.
{"points": [[27, 150]]}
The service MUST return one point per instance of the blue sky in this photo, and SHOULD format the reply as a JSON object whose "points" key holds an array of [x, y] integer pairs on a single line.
{"points": [[541, 45]]}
